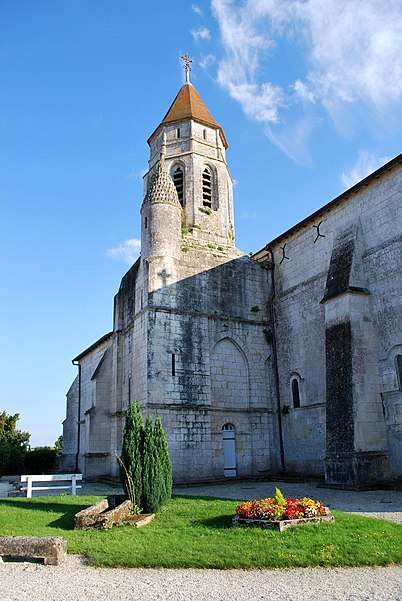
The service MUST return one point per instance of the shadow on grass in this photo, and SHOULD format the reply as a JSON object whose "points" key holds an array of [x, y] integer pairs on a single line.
{"points": [[63, 522], [203, 498], [219, 522], [45, 506]]}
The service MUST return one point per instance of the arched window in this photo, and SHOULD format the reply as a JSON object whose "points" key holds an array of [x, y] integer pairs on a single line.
{"points": [[207, 188], [178, 180], [398, 365], [295, 393]]}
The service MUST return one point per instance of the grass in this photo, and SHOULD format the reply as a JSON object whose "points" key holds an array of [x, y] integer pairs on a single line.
{"points": [[194, 532]]}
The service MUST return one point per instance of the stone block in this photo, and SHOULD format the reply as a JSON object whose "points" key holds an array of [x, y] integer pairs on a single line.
{"points": [[103, 514], [52, 549]]}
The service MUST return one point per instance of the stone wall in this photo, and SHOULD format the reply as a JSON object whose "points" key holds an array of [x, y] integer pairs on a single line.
{"points": [[207, 356], [302, 274]]}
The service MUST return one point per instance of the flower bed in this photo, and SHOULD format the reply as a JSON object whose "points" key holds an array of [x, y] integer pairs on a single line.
{"points": [[281, 513]]}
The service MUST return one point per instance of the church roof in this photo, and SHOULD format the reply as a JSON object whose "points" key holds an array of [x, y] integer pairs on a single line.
{"points": [[367, 181], [188, 105], [93, 346], [161, 188]]}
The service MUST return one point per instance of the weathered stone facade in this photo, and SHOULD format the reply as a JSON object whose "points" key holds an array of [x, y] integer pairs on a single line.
{"points": [[337, 322], [287, 360]]}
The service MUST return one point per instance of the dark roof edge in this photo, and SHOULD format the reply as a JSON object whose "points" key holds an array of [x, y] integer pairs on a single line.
{"points": [[353, 190], [93, 346]]}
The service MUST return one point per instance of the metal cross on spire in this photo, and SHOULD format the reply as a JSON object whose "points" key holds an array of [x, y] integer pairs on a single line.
{"points": [[187, 66]]}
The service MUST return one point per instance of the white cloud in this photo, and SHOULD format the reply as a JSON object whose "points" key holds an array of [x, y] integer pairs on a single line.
{"points": [[351, 51], [202, 33], [197, 9], [207, 60], [127, 251], [366, 163], [303, 91]]}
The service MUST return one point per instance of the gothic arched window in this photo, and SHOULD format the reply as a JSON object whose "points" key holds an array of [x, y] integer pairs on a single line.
{"points": [[178, 180], [207, 187]]}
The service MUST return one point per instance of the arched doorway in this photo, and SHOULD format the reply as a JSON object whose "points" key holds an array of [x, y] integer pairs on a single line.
{"points": [[229, 450]]}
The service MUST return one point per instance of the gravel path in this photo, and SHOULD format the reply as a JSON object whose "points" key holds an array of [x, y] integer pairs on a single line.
{"points": [[74, 580]]}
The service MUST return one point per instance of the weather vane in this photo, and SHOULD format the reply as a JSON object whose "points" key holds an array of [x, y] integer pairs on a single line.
{"points": [[187, 66]]}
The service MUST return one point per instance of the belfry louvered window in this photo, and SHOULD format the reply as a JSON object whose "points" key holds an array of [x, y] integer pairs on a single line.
{"points": [[207, 188], [178, 180]]}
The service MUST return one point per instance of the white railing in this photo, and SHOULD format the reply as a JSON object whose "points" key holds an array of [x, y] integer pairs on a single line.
{"points": [[70, 478]]}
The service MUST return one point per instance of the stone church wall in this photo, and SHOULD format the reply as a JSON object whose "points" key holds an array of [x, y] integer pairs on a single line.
{"points": [[207, 367], [301, 269]]}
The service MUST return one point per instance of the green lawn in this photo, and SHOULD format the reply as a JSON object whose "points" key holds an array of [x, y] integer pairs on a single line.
{"points": [[193, 532]]}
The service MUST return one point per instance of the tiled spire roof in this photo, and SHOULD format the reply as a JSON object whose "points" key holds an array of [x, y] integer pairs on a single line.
{"points": [[161, 188], [188, 105]]}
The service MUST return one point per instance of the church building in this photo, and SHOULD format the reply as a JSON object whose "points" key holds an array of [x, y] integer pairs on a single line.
{"points": [[289, 361]]}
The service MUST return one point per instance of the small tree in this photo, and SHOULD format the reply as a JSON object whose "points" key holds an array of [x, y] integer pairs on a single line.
{"points": [[152, 481], [13, 444], [58, 445], [132, 450], [166, 464], [145, 463]]}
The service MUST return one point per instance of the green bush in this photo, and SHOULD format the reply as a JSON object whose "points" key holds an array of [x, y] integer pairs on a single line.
{"points": [[131, 452], [4, 455], [13, 444], [151, 471], [146, 461], [165, 463], [11, 459], [41, 460]]}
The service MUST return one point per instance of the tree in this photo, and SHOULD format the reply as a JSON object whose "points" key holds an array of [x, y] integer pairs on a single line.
{"points": [[9, 432], [58, 445], [152, 480], [13, 444], [166, 465], [131, 452], [145, 461]]}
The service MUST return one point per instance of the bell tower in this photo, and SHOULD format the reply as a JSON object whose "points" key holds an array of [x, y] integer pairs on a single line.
{"points": [[194, 147]]}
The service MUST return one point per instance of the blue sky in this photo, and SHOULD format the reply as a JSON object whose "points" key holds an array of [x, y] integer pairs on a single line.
{"points": [[309, 94]]}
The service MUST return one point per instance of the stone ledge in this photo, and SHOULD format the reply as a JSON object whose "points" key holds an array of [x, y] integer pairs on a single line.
{"points": [[52, 549], [103, 514], [281, 525]]}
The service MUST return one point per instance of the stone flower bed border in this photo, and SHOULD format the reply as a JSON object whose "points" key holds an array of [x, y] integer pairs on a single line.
{"points": [[280, 513], [280, 525]]}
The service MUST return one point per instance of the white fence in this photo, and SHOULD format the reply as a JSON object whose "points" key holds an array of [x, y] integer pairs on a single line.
{"points": [[71, 479]]}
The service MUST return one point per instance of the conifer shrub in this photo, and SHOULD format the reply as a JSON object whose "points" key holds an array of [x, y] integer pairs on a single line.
{"points": [[152, 473], [146, 461], [164, 458], [132, 451]]}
